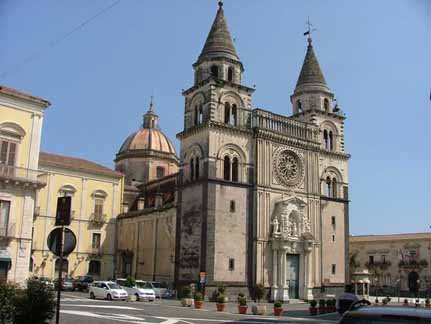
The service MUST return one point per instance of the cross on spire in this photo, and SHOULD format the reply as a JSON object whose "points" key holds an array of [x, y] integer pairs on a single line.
{"points": [[309, 30]]}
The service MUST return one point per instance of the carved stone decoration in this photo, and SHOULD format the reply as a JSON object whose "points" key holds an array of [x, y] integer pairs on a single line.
{"points": [[289, 220], [288, 167]]}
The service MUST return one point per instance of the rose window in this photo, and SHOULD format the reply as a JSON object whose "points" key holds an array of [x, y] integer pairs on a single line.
{"points": [[288, 168]]}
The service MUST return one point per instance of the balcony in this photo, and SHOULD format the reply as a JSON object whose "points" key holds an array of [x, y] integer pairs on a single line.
{"points": [[12, 175], [98, 219], [7, 232], [95, 251]]}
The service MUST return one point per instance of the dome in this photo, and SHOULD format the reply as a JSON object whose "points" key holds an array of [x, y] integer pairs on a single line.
{"points": [[148, 139]]}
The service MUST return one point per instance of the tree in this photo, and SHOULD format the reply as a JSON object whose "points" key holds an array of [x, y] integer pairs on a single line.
{"points": [[7, 303]]}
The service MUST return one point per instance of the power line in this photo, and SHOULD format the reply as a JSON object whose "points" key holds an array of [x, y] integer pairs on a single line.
{"points": [[57, 41]]}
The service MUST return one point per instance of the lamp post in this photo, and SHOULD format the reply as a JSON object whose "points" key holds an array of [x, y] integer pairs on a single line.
{"points": [[399, 288]]}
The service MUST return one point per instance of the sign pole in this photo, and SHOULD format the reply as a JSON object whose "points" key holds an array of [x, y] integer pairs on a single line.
{"points": [[57, 318]]}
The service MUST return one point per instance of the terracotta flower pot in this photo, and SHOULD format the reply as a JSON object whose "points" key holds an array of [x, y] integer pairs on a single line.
{"points": [[242, 309], [199, 304], [313, 311], [220, 307], [278, 311], [322, 310]]}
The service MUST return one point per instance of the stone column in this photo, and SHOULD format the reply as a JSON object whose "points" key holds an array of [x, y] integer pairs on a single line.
{"points": [[285, 289], [274, 273]]}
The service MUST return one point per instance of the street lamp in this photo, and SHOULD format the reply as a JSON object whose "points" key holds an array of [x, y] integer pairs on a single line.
{"points": [[399, 288]]}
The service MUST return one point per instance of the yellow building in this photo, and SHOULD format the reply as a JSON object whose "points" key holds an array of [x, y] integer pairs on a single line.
{"points": [[21, 118], [97, 194]]}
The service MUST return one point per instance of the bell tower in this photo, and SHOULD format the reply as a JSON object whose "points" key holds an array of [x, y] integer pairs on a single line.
{"points": [[313, 102], [216, 166]]}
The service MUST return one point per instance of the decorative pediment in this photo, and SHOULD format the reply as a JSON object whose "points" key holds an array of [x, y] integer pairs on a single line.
{"points": [[289, 220]]}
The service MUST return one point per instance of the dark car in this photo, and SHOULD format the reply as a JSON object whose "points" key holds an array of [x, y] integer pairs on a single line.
{"points": [[81, 283], [385, 314], [66, 284]]}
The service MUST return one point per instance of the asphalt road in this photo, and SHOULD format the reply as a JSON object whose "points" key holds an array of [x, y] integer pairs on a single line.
{"points": [[77, 308]]}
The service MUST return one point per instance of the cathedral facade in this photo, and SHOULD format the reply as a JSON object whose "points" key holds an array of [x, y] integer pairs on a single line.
{"points": [[258, 197]]}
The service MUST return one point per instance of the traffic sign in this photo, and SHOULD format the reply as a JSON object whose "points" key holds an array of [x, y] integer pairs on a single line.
{"points": [[54, 241], [62, 216]]}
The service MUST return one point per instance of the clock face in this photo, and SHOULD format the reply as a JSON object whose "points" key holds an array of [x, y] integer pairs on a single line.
{"points": [[288, 168]]}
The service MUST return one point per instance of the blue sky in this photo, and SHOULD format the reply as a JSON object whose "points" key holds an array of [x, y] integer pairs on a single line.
{"points": [[375, 56]]}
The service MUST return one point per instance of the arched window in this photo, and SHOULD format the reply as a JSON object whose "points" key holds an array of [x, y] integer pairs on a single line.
{"points": [[326, 139], [230, 74], [214, 71], [226, 112], [197, 168], [160, 172], [192, 169], [226, 168], [331, 141], [234, 117], [196, 115], [201, 114], [298, 105], [326, 104], [334, 188], [328, 187], [235, 169]]}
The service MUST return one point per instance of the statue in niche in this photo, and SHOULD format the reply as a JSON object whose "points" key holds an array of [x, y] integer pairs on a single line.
{"points": [[276, 228], [294, 229]]}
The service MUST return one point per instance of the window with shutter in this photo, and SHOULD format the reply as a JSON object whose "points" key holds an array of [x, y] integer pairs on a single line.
{"points": [[7, 153]]}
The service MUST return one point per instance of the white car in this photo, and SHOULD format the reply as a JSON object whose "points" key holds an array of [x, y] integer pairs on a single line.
{"points": [[107, 290], [142, 290]]}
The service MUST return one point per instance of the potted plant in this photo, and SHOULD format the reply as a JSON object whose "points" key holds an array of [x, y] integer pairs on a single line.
{"points": [[330, 305], [313, 308], [242, 305], [221, 303], [221, 289], [187, 299], [199, 300], [278, 308], [376, 300], [259, 292], [427, 302], [406, 302], [322, 306]]}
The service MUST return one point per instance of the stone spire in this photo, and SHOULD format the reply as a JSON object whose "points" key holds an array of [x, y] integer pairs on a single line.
{"points": [[150, 117], [311, 74], [219, 41]]}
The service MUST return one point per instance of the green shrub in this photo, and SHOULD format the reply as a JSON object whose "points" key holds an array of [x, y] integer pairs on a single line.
{"points": [[242, 301], [427, 301], [220, 299], [7, 303], [130, 282], [35, 304], [199, 296], [313, 303], [241, 294], [221, 289], [329, 303], [278, 304], [322, 303], [259, 292]]}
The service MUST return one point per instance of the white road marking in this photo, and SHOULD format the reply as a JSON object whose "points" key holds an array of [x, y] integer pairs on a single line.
{"points": [[118, 317], [103, 306]]}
